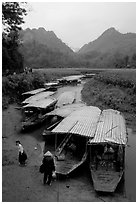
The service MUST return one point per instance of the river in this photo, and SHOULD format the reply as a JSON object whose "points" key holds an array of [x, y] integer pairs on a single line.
{"points": [[128, 188]]}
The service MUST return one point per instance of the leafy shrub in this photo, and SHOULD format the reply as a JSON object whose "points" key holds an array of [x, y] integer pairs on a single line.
{"points": [[14, 85]]}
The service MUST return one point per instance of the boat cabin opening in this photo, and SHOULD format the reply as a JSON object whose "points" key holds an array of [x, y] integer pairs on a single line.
{"points": [[107, 157]]}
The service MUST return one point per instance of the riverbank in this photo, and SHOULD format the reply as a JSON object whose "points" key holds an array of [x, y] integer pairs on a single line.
{"points": [[113, 89], [27, 181]]}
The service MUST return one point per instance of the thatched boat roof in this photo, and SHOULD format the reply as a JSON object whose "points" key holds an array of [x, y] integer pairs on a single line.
{"points": [[38, 96], [44, 103], [82, 122], [111, 128], [64, 111], [33, 92]]}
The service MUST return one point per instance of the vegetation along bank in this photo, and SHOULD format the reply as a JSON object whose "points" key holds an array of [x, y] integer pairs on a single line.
{"points": [[113, 89]]}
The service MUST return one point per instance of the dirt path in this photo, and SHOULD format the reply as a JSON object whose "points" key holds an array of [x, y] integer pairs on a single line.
{"points": [[22, 184]]}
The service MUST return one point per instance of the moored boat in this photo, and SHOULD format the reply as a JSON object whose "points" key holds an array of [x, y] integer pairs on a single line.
{"points": [[52, 86], [35, 112], [107, 151], [37, 97], [58, 114], [77, 128], [32, 93]]}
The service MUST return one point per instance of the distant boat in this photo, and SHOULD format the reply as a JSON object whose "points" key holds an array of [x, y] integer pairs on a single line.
{"points": [[78, 127], [107, 151], [52, 86], [35, 112], [32, 92], [38, 97], [70, 80]]}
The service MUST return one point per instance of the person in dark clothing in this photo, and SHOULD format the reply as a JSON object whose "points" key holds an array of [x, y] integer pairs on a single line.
{"points": [[22, 154], [49, 167]]}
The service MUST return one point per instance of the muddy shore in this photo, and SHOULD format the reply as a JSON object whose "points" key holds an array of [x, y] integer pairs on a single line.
{"points": [[25, 183]]}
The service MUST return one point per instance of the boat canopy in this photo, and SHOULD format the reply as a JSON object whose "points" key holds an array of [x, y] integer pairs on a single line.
{"points": [[110, 128], [33, 92], [64, 111], [38, 96], [65, 98], [81, 122], [51, 83], [73, 77], [44, 103]]}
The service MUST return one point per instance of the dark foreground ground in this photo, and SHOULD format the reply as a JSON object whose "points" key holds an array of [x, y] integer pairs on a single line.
{"points": [[22, 184]]}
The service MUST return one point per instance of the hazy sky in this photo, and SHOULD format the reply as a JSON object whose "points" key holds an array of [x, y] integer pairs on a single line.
{"points": [[77, 23]]}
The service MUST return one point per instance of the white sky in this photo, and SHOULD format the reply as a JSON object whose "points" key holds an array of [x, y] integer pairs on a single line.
{"points": [[77, 23]]}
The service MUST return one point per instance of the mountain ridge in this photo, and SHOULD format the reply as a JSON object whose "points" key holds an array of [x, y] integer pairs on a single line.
{"points": [[110, 38], [41, 48]]}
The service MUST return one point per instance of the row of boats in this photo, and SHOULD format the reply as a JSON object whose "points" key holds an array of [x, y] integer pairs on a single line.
{"points": [[87, 134]]}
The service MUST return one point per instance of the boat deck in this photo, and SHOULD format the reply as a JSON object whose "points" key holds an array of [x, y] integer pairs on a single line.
{"points": [[106, 180], [65, 163]]}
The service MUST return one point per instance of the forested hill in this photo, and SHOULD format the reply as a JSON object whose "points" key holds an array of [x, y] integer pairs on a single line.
{"points": [[112, 48], [41, 48]]}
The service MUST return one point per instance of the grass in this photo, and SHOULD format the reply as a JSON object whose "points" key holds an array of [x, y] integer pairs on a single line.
{"points": [[113, 89]]}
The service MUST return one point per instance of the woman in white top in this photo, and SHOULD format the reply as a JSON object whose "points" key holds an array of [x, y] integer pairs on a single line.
{"points": [[22, 155]]}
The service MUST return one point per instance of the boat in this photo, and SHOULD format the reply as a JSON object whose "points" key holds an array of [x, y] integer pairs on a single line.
{"points": [[77, 128], [70, 80], [107, 151], [52, 86], [35, 112], [57, 115], [31, 93], [38, 97]]}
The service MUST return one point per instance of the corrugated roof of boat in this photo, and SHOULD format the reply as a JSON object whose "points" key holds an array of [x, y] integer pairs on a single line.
{"points": [[51, 83], [66, 110], [44, 103], [73, 77], [38, 96], [110, 128], [81, 122], [33, 92], [67, 97]]}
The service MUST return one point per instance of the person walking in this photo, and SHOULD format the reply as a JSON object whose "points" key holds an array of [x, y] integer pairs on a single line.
{"points": [[22, 156], [49, 167]]}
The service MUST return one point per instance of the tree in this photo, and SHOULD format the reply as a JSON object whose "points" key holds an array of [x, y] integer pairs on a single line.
{"points": [[12, 18]]}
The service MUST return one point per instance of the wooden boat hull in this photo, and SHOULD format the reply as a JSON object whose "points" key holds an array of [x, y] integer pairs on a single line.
{"points": [[65, 167], [106, 181], [31, 123], [68, 155]]}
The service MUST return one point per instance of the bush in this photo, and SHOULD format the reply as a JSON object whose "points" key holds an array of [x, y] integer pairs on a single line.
{"points": [[14, 85]]}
